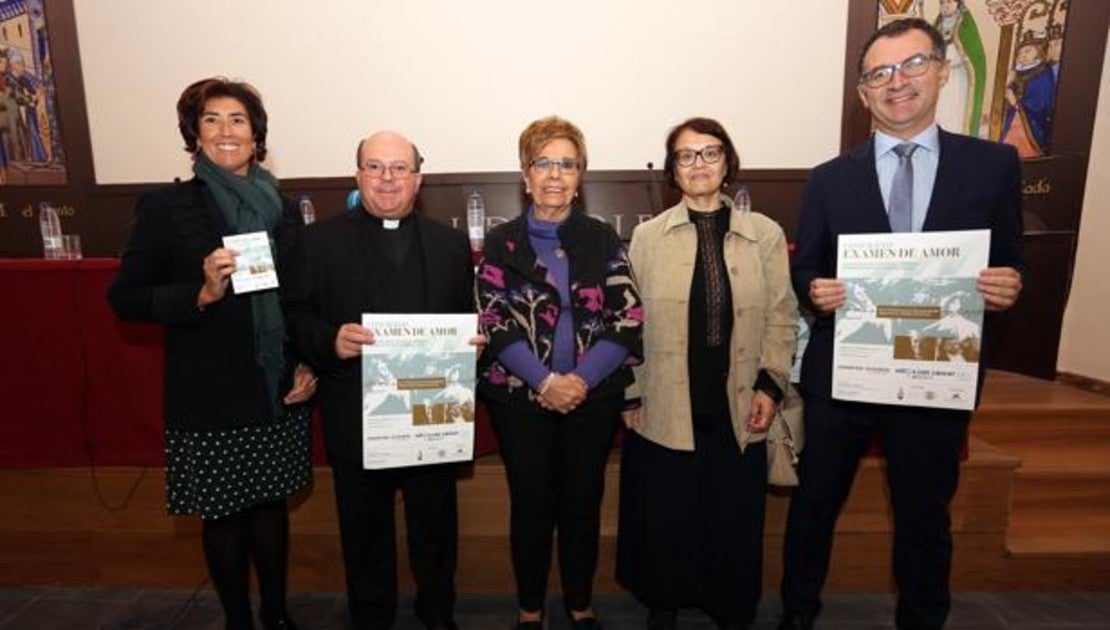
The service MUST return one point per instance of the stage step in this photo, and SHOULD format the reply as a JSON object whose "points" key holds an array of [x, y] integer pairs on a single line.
{"points": [[1039, 534], [60, 529], [1061, 511], [1061, 496], [1031, 513]]}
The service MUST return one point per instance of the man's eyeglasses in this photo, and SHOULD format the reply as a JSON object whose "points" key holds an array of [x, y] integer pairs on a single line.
{"points": [[710, 155], [544, 165], [377, 170], [914, 66]]}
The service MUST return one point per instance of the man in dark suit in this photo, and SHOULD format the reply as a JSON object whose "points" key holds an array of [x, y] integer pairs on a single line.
{"points": [[952, 182], [380, 258]]}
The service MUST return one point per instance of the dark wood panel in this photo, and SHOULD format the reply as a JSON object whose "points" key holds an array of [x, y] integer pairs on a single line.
{"points": [[624, 198], [1026, 338]]}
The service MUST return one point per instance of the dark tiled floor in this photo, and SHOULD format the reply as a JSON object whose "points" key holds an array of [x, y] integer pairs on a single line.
{"points": [[32, 608]]}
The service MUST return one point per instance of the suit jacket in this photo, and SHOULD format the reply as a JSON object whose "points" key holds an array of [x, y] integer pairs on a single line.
{"points": [[330, 286], [978, 186], [213, 380]]}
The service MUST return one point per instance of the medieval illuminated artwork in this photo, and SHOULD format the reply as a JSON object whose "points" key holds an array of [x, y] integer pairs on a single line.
{"points": [[30, 147], [1005, 60]]}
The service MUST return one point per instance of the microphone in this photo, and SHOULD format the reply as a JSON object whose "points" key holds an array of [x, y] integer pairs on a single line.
{"points": [[655, 199]]}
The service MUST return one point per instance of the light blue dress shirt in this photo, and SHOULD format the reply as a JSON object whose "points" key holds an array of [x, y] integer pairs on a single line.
{"points": [[925, 160]]}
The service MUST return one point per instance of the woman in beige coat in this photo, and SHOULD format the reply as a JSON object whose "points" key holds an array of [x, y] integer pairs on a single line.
{"points": [[719, 336]]}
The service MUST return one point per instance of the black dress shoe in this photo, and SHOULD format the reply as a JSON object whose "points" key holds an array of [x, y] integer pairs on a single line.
{"points": [[662, 619], [529, 625], [585, 623], [794, 621], [442, 625], [278, 622], [728, 624]]}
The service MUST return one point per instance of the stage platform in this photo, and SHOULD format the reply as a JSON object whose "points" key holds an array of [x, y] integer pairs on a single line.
{"points": [[1032, 513]]}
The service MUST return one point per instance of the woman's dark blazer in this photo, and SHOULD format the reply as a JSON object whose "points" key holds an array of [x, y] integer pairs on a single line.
{"points": [[213, 380]]}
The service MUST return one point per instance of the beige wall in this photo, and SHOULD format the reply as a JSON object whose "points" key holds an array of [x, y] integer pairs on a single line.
{"points": [[1085, 342], [463, 78]]}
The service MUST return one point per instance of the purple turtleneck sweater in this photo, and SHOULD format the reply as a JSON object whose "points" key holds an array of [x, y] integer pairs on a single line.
{"points": [[600, 360]]}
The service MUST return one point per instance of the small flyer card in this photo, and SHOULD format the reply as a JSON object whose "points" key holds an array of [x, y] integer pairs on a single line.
{"points": [[254, 266]]}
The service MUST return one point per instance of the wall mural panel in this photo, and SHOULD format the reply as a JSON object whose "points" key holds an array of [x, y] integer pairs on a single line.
{"points": [[1005, 58], [31, 150]]}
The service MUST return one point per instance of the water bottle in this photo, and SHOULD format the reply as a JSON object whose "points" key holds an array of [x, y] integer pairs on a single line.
{"points": [[51, 227], [308, 211], [476, 220], [354, 199], [743, 200]]}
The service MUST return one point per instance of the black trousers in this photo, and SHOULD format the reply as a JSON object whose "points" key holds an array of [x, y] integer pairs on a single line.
{"points": [[922, 450], [365, 500], [556, 469]]}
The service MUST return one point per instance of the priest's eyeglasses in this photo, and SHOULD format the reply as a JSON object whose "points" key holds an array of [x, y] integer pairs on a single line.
{"points": [[377, 170]]}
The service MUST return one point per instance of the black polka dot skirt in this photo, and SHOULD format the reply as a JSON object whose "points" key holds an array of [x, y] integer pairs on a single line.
{"points": [[215, 473]]}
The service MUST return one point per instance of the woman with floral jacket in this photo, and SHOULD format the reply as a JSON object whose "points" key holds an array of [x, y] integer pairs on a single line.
{"points": [[563, 316]]}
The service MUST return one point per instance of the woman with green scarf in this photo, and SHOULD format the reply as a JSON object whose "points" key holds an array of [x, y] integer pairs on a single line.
{"points": [[237, 426]]}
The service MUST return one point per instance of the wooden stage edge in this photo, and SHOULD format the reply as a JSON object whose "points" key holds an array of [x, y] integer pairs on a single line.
{"points": [[1095, 385], [1030, 514]]}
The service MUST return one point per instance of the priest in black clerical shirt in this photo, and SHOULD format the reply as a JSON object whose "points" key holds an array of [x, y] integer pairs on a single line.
{"points": [[380, 258]]}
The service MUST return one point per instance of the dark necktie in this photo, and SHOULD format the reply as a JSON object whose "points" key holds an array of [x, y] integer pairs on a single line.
{"points": [[900, 208]]}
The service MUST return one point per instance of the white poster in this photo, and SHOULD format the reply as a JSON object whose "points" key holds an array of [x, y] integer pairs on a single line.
{"points": [[418, 389], [805, 324], [254, 262], [910, 330]]}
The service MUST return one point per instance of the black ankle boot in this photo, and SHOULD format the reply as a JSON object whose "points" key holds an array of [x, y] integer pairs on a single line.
{"points": [[585, 623], [662, 619], [795, 621]]}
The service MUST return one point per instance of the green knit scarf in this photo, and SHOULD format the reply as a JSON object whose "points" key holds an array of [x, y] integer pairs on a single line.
{"points": [[252, 204]]}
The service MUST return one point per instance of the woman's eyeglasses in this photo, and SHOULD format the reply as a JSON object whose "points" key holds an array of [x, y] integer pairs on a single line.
{"points": [[544, 165], [709, 155]]}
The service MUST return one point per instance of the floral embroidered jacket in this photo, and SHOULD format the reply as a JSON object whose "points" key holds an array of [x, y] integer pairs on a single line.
{"points": [[516, 301]]}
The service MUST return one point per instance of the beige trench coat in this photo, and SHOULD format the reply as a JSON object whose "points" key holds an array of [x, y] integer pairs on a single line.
{"points": [[663, 252]]}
